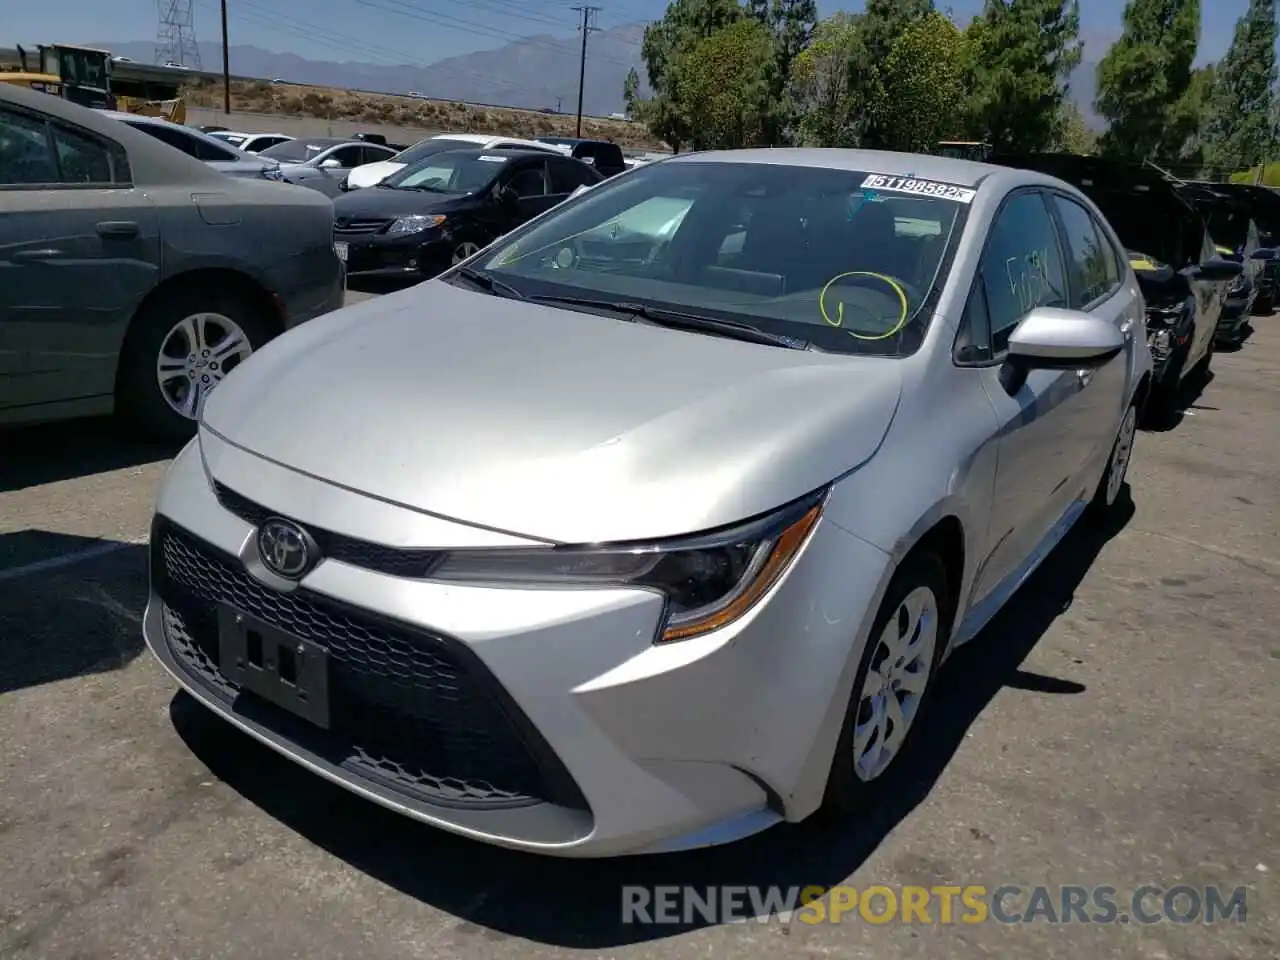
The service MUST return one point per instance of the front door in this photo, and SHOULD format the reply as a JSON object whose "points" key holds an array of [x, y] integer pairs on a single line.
{"points": [[78, 252], [1038, 451]]}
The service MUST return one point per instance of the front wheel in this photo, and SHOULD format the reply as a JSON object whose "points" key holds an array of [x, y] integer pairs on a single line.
{"points": [[892, 684], [179, 348]]}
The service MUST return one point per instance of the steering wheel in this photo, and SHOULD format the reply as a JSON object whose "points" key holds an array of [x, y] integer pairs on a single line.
{"points": [[832, 307]]}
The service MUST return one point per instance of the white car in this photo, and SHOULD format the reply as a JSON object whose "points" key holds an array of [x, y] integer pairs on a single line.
{"points": [[372, 173], [251, 142]]}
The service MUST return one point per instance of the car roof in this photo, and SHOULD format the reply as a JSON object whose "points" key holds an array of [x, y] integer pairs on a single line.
{"points": [[487, 138], [967, 173], [153, 163]]}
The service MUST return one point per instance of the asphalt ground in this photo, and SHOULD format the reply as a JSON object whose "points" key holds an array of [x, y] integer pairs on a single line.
{"points": [[1116, 726]]}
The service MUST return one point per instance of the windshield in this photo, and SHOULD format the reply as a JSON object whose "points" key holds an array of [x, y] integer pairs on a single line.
{"points": [[449, 172], [420, 151], [845, 260], [298, 151], [235, 139]]}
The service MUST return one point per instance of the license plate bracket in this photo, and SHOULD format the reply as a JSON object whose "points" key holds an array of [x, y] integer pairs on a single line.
{"points": [[283, 669], [340, 249]]}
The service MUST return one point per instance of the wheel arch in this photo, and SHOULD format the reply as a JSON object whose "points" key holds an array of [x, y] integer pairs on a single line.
{"points": [[223, 279]]}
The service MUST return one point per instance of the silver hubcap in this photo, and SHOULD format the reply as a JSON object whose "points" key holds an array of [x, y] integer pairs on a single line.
{"points": [[895, 684], [195, 357], [1120, 455], [464, 251]]}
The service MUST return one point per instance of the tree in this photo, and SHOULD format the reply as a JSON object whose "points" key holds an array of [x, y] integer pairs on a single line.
{"points": [[1074, 134], [1019, 54], [791, 23], [724, 84], [1240, 129], [1185, 137], [919, 103], [1144, 76], [830, 111], [631, 90], [880, 27], [665, 43]]}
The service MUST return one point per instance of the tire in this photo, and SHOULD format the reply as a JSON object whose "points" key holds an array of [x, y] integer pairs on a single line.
{"points": [[851, 785], [228, 319], [1112, 493]]}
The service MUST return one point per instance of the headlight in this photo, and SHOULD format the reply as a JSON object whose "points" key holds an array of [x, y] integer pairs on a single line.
{"points": [[709, 581], [273, 172], [414, 224]]}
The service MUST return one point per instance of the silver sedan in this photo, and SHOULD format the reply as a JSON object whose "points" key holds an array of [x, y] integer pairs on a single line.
{"points": [[650, 525]]}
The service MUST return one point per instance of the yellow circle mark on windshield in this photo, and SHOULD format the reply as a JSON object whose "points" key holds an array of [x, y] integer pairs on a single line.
{"points": [[839, 318]]}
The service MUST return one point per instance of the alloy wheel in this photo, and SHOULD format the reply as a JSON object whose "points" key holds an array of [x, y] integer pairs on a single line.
{"points": [[894, 688], [1120, 455], [195, 356], [465, 250]]}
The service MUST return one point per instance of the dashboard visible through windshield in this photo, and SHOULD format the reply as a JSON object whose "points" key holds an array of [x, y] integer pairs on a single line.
{"points": [[844, 260]]}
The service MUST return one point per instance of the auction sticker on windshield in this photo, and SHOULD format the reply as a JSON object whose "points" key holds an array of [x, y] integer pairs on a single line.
{"points": [[921, 188]]}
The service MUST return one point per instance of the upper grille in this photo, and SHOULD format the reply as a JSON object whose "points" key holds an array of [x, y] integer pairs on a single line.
{"points": [[396, 561], [409, 709], [358, 226]]}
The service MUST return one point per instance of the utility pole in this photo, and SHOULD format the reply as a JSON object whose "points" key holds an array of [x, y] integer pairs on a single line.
{"points": [[588, 15], [226, 65]]}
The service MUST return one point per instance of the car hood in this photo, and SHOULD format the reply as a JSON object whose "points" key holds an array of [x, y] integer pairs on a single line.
{"points": [[371, 173], [385, 202], [549, 423]]}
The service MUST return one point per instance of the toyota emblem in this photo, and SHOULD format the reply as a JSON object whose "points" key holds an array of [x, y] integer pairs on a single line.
{"points": [[285, 548]]}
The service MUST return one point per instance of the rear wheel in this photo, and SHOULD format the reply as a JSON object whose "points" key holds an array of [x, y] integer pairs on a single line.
{"points": [[178, 349], [893, 683]]}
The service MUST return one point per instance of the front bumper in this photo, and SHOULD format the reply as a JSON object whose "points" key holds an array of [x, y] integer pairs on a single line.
{"points": [[544, 720], [416, 254]]}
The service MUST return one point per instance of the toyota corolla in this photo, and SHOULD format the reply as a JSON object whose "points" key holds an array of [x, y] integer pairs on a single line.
{"points": [[650, 525]]}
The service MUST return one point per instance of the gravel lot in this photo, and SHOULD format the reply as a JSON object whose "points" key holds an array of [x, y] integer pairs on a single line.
{"points": [[1118, 725]]}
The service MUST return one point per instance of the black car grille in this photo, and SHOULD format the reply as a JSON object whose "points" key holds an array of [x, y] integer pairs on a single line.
{"points": [[408, 709], [396, 561], [357, 226]]}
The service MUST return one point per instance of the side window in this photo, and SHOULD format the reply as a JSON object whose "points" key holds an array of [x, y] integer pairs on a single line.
{"points": [[1111, 261], [973, 343], [208, 151], [173, 138], [375, 154], [81, 159], [1088, 253], [25, 154], [567, 176], [1021, 266], [349, 157], [529, 181]]}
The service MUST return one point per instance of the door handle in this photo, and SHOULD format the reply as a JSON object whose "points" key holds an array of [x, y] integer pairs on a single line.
{"points": [[118, 229], [27, 256]]}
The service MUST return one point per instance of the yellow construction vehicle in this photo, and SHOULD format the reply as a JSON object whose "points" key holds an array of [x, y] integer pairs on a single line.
{"points": [[84, 75]]}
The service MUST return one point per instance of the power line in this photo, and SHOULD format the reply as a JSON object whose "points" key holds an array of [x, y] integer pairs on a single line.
{"points": [[176, 34], [588, 18]]}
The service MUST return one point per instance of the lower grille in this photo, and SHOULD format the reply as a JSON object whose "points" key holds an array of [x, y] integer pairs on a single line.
{"points": [[413, 711]]}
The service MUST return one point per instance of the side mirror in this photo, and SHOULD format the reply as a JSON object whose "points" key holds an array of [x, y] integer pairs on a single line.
{"points": [[1049, 338], [332, 163], [1218, 269]]}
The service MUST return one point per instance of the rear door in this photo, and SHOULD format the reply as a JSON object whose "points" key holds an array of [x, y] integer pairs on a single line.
{"points": [[565, 176], [79, 249], [1095, 286], [528, 178]]}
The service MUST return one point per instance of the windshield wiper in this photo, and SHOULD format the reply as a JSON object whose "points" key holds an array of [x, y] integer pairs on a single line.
{"points": [[489, 283], [684, 321]]}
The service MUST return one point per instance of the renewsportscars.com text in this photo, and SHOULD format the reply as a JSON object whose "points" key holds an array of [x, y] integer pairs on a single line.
{"points": [[967, 904]]}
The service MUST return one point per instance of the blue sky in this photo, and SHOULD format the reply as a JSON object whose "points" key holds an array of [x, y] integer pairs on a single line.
{"points": [[421, 31]]}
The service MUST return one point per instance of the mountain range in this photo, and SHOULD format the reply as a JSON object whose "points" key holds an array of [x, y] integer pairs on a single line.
{"points": [[537, 72]]}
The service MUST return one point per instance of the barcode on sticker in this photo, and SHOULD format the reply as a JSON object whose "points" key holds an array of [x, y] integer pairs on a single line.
{"points": [[921, 188]]}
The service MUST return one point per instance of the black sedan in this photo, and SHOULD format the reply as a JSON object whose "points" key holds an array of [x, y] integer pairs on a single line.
{"points": [[441, 211]]}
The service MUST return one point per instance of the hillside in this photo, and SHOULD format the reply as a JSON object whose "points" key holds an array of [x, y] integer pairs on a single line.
{"points": [[331, 103]]}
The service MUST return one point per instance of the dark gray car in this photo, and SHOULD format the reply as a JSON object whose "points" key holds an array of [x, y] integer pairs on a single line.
{"points": [[134, 277]]}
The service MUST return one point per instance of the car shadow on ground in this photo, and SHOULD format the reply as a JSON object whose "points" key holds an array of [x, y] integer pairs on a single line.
{"points": [[77, 448], [1242, 337], [1190, 391], [578, 903], [59, 621]]}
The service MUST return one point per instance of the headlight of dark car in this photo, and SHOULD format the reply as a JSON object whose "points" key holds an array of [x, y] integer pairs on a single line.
{"points": [[414, 224], [273, 172], [708, 581]]}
